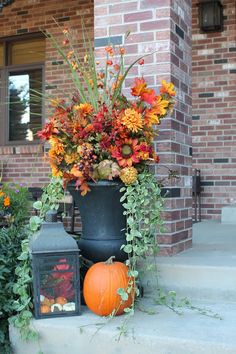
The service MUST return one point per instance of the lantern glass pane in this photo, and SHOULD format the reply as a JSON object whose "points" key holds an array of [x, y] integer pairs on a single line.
{"points": [[57, 285]]}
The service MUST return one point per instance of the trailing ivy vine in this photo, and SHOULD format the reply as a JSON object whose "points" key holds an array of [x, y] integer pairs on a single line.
{"points": [[143, 206], [50, 198]]}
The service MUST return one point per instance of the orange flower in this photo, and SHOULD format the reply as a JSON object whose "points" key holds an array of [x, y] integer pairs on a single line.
{"points": [[57, 146], [167, 88], [122, 51], [151, 117], [109, 50], [65, 30], [101, 75], [161, 105], [70, 158], [84, 188], [70, 54], [1, 193], [148, 96], [116, 67], [55, 171], [132, 120], [139, 87], [145, 151], [6, 202], [109, 62], [84, 108], [91, 83], [76, 172], [74, 65], [55, 103], [159, 109]]}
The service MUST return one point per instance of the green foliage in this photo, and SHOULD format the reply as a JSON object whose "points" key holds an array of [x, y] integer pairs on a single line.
{"points": [[18, 209], [23, 304], [143, 206], [11, 236]]}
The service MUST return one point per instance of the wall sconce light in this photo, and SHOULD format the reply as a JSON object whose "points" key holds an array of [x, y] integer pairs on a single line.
{"points": [[211, 16], [5, 3]]}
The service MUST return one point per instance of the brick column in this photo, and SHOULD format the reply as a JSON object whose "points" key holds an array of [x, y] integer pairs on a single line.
{"points": [[163, 26]]}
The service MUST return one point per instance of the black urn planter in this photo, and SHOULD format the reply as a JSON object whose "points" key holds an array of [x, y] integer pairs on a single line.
{"points": [[103, 222]]}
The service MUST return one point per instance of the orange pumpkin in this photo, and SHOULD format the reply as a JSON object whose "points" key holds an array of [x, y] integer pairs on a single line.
{"points": [[61, 300], [48, 302], [45, 309], [101, 283]]}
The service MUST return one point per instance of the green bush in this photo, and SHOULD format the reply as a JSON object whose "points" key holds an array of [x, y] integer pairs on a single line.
{"points": [[14, 204], [13, 216]]}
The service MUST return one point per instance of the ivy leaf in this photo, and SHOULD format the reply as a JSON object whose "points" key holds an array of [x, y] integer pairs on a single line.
{"points": [[133, 273], [35, 222], [129, 310], [129, 237], [38, 205], [128, 248], [124, 296]]}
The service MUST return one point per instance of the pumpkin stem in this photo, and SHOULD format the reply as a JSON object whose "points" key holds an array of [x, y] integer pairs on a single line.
{"points": [[110, 260]]}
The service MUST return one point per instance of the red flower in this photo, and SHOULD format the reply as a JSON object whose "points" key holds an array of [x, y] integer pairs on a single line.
{"points": [[62, 267], [65, 288], [141, 62], [148, 96], [47, 131], [116, 67], [139, 86], [105, 142], [126, 153], [145, 151]]}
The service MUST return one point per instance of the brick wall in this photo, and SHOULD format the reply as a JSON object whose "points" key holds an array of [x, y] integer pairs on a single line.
{"points": [[164, 27], [214, 111], [25, 163]]}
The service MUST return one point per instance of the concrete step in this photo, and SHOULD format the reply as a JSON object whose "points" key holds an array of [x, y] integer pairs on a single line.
{"points": [[161, 333], [208, 276], [228, 214], [207, 270]]}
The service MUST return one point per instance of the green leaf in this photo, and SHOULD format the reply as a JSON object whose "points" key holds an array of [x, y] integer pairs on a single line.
{"points": [[129, 310], [128, 248], [133, 273], [129, 237], [124, 296], [37, 205]]}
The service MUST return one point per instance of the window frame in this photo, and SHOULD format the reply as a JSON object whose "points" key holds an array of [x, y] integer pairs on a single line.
{"points": [[5, 70]]}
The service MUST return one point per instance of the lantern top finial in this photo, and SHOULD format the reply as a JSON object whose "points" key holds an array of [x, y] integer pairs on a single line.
{"points": [[51, 216]]}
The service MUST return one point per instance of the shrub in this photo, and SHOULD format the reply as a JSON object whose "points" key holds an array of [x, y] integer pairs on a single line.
{"points": [[14, 210]]}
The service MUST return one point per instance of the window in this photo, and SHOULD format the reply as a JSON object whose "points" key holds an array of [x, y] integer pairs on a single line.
{"points": [[21, 87]]}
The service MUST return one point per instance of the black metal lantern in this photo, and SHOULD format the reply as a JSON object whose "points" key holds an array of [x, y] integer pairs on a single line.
{"points": [[211, 16], [55, 263]]}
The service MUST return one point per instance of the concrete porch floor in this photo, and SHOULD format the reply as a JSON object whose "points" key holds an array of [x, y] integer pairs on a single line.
{"points": [[206, 274]]}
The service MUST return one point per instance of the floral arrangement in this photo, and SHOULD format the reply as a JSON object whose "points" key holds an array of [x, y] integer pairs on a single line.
{"points": [[101, 134]]}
